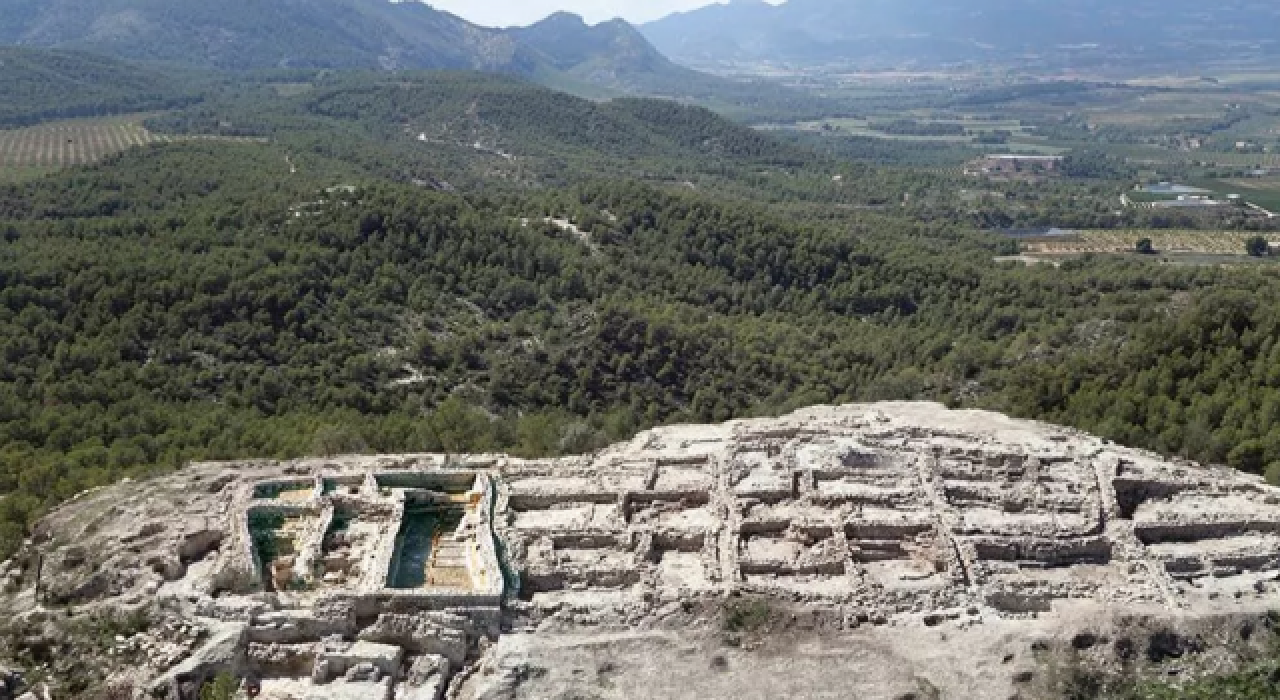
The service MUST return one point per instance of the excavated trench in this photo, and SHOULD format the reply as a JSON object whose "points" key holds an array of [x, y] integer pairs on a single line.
{"points": [[419, 532], [267, 545]]}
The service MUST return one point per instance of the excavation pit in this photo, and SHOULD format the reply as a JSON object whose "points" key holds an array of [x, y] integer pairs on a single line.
{"points": [[345, 544], [278, 538], [297, 491], [570, 517], [429, 552]]}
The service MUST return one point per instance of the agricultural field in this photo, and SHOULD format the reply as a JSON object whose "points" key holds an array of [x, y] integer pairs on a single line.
{"points": [[78, 142], [1157, 110], [1140, 154], [1270, 184], [1165, 242], [1239, 160], [1021, 138], [39, 150], [1263, 191]]}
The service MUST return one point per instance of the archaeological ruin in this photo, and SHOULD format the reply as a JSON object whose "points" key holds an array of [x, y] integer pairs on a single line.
{"points": [[433, 576]]}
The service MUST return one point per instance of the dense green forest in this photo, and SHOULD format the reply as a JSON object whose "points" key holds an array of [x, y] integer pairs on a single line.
{"points": [[42, 85], [198, 301], [476, 131]]}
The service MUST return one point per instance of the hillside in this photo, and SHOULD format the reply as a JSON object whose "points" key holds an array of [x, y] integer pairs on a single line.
{"points": [[242, 35], [509, 116], [478, 128], [615, 55], [1034, 33], [40, 85], [612, 54]]}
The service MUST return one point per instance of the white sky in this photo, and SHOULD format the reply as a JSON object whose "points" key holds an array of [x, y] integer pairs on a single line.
{"points": [[506, 13]]}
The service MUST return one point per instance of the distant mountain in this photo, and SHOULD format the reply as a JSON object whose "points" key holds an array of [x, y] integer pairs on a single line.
{"points": [[1032, 33], [616, 55], [341, 34], [244, 34], [611, 54]]}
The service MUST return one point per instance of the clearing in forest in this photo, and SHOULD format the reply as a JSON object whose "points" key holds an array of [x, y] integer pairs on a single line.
{"points": [[74, 142], [1169, 242], [78, 142]]}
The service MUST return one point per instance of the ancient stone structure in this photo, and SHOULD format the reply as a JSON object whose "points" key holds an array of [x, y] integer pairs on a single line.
{"points": [[363, 565], [414, 576], [899, 509], [347, 532]]}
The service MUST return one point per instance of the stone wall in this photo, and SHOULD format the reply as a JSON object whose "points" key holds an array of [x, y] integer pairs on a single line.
{"points": [[238, 570], [487, 560], [310, 553], [262, 488], [375, 574]]}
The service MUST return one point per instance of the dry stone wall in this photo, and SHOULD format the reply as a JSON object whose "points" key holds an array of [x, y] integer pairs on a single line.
{"points": [[902, 509]]}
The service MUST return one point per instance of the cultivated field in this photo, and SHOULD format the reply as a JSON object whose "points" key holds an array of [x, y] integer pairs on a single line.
{"points": [[1154, 155], [62, 144], [1022, 139], [1165, 242], [1262, 192], [55, 145], [1230, 160]]}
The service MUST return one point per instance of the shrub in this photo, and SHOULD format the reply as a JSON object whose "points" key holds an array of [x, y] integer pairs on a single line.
{"points": [[222, 687], [746, 616]]}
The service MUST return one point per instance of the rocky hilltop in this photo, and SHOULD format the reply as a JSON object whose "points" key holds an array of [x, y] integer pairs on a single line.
{"points": [[923, 552]]}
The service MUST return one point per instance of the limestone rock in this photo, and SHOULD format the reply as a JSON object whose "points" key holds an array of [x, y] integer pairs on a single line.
{"points": [[425, 668], [225, 651], [362, 661], [420, 634]]}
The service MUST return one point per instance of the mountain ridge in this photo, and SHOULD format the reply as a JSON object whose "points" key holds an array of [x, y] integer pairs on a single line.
{"points": [[933, 32], [240, 35]]}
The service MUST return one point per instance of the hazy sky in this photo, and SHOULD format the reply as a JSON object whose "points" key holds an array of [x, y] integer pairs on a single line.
{"points": [[504, 13]]}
